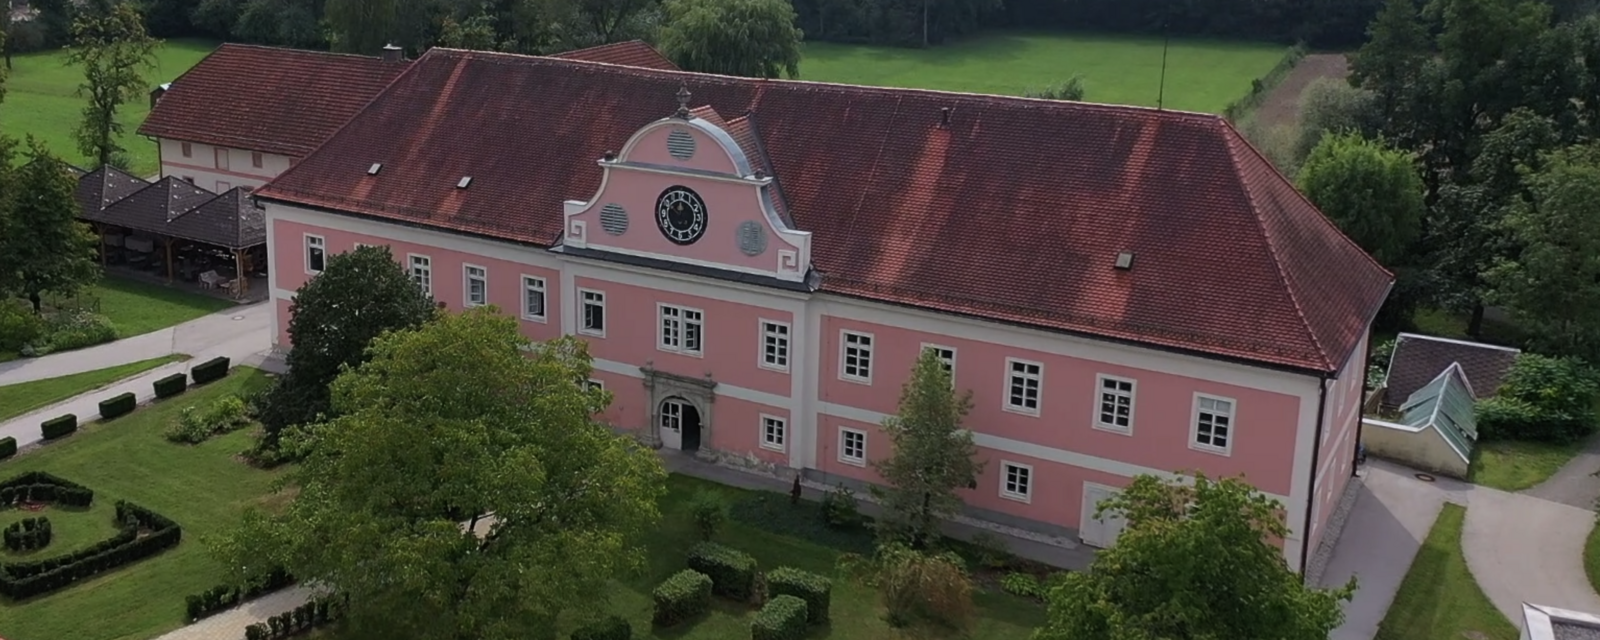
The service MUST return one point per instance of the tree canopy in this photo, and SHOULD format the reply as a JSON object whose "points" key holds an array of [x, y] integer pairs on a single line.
{"points": [[932, 455], [43, 246], [112, 47], [1371, 191], [753, 38], [446, 424]]}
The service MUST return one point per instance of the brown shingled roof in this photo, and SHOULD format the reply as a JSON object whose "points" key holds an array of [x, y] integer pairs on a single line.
{"points": [[1015, 211], [633, 53], [1418, 359], [103, 187]]}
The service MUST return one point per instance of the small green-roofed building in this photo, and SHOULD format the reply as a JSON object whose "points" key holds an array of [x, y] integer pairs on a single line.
{"points": [[1437, 428]]}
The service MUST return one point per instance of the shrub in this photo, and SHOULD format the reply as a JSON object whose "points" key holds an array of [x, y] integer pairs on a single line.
{"points": [[79, 329], [1543, 398], [732, 572], [991, 550], [684, 595], [118, 405], [784, 618], [28, 534], [1071, 90], [840, 509], [916, 587], [213, 369], [19, 326], [58, 426], [607, 628], [194, 426], [1022, 584], [815, 590], [171, 385], [8, 447], [141, 534], [710, 511]]}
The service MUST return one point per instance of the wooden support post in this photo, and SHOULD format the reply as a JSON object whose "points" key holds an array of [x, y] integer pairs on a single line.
{"points": [[169, 259], [239, 274]]}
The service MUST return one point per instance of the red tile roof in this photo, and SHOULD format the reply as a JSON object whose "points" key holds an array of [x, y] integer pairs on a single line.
{"points": [[633, 53], [1016, 211]]}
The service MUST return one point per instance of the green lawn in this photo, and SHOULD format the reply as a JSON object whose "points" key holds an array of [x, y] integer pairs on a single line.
{"points": [[41, 99], [20, 398], [137, 307], [70, 528], [1439, 599], [1514, 466], [1201, 75], [202, 487]]}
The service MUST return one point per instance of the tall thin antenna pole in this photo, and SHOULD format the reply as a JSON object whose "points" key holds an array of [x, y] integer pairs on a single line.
{"points": [[1166, 41]]}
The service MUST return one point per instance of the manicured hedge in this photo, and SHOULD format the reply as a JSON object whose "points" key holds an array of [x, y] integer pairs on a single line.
{"points": [[608, 628], [8, 447], [684, 595], [733, 572], [213, 369], [58, 426], [28, 534], [23, 580], [226, 596], [38, 486], [118, 405], [815, 590], [782, 618], [171, 385], [301, 619]]}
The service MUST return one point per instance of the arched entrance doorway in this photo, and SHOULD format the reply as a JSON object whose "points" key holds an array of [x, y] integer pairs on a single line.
{"points": [[680, 424]]}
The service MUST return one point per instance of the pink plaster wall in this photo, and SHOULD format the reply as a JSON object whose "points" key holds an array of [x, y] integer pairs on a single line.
{"points": [[628, 408], [731, 336], [709, 154], [282, 339], [1163, 405], [736, 427], [1338, 449]]}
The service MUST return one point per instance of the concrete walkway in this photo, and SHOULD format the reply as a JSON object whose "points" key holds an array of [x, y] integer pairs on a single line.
{"points": [[1521, 548], [1575, 484], [241, 334], [230, 624]]}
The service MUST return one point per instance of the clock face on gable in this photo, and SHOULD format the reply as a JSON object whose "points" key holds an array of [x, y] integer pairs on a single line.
{"points": [[681, 214]]}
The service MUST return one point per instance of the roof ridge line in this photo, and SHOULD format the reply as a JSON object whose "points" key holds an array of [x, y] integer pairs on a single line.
{"points": [[1465, 343]]}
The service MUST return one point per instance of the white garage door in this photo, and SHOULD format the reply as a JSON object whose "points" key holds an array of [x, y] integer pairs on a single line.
{"points": [[1099, 531]]}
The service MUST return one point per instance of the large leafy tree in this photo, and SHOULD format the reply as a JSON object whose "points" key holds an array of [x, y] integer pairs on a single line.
{"points": [[335, 315], [43, 246], [754, 38], [1397, 44], [1372, 191], [1194, 561], [932, 457], [112, 48], [451, 421]]}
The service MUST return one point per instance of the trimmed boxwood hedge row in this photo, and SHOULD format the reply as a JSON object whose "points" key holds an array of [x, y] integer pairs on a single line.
{"points": [[733, 572], [23, 580], [684, 595], [118, 405], [58, 426], [223, 597], [28, 534], [8, 447], [213, 369], [171, 385], [782, 618], [607, 628], [815, 590], [38, 486]]}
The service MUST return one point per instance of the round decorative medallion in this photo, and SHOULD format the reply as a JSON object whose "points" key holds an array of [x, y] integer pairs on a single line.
{"points": [[752, 238], [614, 219], [680, 144], [681, 215]]}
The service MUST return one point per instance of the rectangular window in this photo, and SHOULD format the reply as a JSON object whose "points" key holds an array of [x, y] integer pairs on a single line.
{"points": [[592, 318], [681, 329], [1022, 386], [773, 431], [316, 254], [188, 150], [222, 158], [852, 446], [1213, 424], [594, 385], [855, 362], [256, 159], [223, 187], [947, 355], [1114, 399], [1016, 481], [477, 293], [775, 345], [533, 298], [422, 273]]}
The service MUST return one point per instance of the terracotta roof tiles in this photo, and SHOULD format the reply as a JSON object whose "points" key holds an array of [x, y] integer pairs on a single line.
{"points": [[633, 53]]}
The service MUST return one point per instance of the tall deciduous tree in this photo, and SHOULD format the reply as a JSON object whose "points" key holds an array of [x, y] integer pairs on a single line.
{"points": [[1194, 561], [43, 246], [1397, 44], [447, 422], [113, 50], [1373, 192], [1552, 284], [932, 456], [363, 26], [753, 38], [335, 315]]}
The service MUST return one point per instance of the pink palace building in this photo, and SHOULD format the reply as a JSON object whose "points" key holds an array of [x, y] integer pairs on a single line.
{"points": [[756, 265]]}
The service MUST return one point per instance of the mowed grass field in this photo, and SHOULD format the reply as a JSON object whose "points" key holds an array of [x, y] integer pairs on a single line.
{"points": [[42, 99], [1201, 75]]}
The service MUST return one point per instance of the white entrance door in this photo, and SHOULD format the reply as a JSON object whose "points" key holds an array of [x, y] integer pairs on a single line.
{"points": [[672, 423], [1099, 530]]}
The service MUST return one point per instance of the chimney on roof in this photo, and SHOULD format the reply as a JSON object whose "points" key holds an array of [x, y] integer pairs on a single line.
{"points": [[392, 53], [944, 117]]}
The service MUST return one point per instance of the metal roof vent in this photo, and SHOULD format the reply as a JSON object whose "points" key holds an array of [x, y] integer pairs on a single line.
{"points": [[465, 180], [374, 169], [1125, 260]]}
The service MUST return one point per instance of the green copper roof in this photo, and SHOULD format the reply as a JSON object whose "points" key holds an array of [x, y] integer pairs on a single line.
{"points": [[1446, 405]]}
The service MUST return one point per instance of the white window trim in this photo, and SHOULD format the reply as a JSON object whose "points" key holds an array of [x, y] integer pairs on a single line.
{"points": [[929, 345], [595, 383], [784, 430], [324, 246], [258, 160], [844, 348], [788, 345], [1133, 404], [1010, 495], [584, 302], [1005, 394], [186, 149], [544, 292], [1194, 425], [862, 462], [411, 268], [683, 325], [466, 285]]}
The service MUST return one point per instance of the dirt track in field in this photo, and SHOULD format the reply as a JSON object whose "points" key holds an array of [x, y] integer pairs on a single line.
{"points": [[1282, 106]]}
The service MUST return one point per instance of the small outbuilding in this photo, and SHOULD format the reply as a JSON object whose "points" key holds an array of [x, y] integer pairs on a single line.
{"points": [[1426, 418]]}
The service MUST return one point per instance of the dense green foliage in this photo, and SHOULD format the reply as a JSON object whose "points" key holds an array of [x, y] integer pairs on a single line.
{"points": [[1371, 191], [932, 456], [815, 590], [683, 596], [224, 596], [118, 405], [916, 587], [141, 533], [781, 618], [754, 38], [168, 386], [114, 50], [43, 247], [8, 447], [607, 628], [210, 370], [710, 511], [732, 572], [58, 426], [194, 426], [1542, 399]]}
